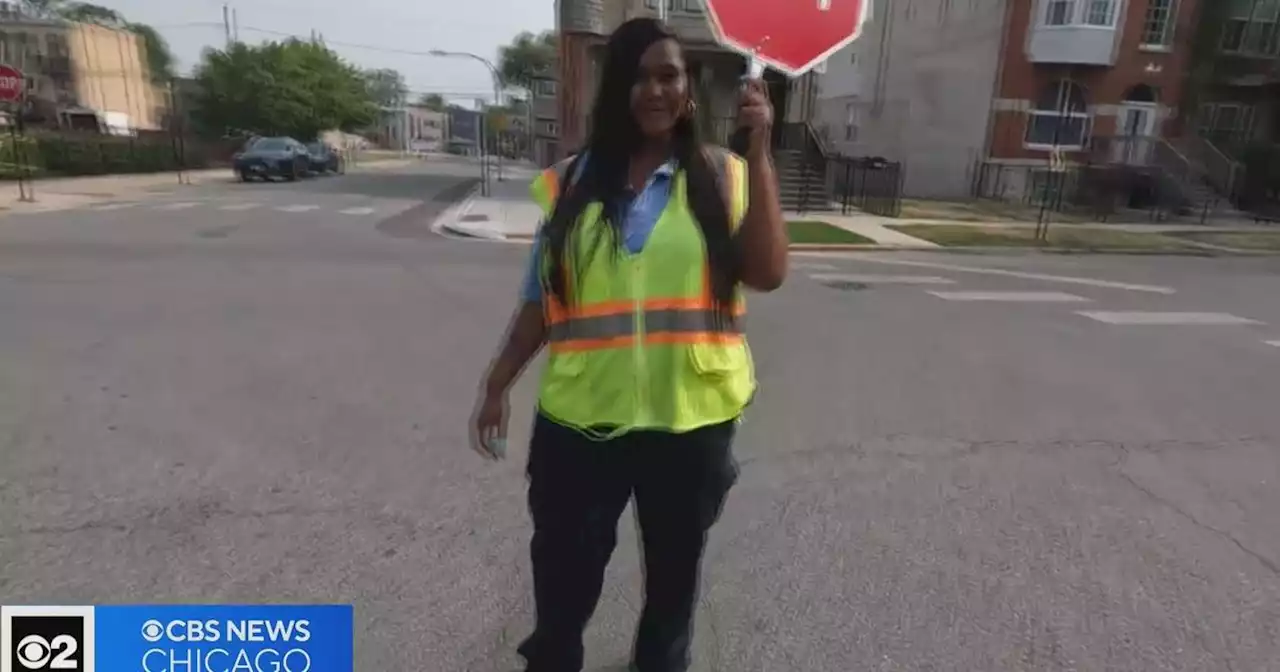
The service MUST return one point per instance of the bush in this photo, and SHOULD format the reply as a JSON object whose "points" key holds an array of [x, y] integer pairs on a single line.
{"points": [[71, 154]]}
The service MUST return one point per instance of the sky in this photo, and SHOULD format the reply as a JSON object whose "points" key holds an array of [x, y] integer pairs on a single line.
{"points": [[476, 26]]}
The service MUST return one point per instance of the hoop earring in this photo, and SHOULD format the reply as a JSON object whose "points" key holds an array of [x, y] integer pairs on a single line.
{"points": [[690, 108]]}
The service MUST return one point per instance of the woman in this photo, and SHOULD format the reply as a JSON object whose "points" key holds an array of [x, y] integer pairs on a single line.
{"points": [[634, 285]]}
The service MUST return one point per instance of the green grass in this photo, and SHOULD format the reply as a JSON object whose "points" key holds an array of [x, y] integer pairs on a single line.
{"points": [[814, 232], [1074, 238], [1240, 240]]}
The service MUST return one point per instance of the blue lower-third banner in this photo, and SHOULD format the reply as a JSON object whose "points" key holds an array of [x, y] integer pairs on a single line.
{"points": [[177, 638]]}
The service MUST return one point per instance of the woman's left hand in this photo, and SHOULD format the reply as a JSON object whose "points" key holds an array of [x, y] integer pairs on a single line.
{"points": [[756, 113]]}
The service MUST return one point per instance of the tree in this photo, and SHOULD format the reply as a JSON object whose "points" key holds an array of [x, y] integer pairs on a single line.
{"points": [[85, 12], [156, 51], [432, 101], [527, 57], [290, 88], [386, 87]]}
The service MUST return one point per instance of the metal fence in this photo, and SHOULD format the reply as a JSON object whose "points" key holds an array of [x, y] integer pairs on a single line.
{"points": [[870, 184], [72, 153]]}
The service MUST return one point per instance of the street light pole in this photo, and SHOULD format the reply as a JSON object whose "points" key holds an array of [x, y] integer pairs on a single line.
{"points": [[497, 90]]}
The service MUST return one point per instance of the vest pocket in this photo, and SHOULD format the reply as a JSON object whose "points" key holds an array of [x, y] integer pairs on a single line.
{"points": [[717, 359], [566, 365]]}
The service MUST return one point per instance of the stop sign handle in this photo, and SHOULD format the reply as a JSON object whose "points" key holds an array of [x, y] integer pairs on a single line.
{"points": [[740, 141]]}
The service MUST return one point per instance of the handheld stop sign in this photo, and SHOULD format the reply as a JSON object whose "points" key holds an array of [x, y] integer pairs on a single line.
{"points": [[790, 36]]}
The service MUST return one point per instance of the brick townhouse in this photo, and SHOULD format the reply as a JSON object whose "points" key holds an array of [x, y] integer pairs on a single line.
{"points": [[954, 89]]}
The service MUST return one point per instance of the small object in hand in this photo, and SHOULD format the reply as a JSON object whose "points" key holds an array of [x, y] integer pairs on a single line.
{"points": [[498, 447]]}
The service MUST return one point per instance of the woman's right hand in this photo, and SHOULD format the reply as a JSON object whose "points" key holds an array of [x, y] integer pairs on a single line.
{"points": [[489, 428]]}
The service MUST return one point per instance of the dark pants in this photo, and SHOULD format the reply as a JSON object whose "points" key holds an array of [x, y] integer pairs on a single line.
{"points": [[577, 490]]}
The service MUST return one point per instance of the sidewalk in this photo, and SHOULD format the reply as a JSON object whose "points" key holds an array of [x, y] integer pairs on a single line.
{"points": [[61, 193], [507, 212]]}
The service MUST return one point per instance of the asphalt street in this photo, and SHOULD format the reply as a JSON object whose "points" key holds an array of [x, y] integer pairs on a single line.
{"points": [[956, 462]]}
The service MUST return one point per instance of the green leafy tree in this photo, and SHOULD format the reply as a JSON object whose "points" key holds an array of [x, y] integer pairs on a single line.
{"points": [[432, 101], [386, 87], [290, 88], [85, 12], [158, 57], [527, 57]]}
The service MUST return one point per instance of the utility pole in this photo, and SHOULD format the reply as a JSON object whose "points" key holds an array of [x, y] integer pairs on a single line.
{"points": [[235, 25], [226, 22]]}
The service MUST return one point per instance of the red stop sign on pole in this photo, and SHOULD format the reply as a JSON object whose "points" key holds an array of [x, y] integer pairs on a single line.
{"points": [[11, 84], [790, 36]]}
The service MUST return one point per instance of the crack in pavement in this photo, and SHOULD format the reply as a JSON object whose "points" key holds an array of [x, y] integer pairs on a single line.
{"points": [[1262, 559]]}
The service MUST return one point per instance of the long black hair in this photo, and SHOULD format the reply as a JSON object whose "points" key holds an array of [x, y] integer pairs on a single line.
{"points": [[613, 138]]}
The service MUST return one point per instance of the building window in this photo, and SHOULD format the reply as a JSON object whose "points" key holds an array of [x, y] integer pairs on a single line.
{"points": [[1059, 12], [653, 4], [1251, 28], [550, 128], [1157, 24], [851, 122], [1059, 118], [1100, 12], [693, 6], [545, 87], [1080, 13]]}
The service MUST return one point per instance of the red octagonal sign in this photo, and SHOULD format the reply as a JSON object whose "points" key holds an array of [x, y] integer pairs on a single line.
{"points": [[11, 84], [791, 36]]}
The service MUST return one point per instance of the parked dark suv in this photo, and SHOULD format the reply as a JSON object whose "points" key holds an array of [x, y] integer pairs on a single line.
{"points": [[266, 158], [324, 158]]}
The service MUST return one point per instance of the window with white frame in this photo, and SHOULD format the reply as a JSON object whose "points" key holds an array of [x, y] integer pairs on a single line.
{"points": [[1058, 118], [1059, 12], [545, 87], [1227, 121], [851, 122], [653, 4], [1157, 23], [1100, 12], [1079, 13], [693, 6]]}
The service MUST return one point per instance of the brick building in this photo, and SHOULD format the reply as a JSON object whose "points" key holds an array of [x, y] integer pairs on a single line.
{"points": [[958, 89]]}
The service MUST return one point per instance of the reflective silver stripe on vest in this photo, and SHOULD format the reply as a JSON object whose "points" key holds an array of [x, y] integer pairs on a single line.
{"points": [[655, 321]]}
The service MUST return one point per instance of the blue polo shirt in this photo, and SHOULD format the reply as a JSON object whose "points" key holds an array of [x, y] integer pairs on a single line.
{"points": [[639, 214]]}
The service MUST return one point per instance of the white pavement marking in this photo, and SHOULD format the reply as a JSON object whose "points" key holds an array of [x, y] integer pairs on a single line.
{"points": [[806, 266], [357, 211], [1028, 297], [1160, 318], [882, 279], [1275, 343], [115, 206], [236, 207], [298, 208], [176, 206], [1089, 282]]}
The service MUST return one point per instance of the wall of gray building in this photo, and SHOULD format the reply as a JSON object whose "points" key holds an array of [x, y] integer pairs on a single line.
{"points": [[922, 79]]}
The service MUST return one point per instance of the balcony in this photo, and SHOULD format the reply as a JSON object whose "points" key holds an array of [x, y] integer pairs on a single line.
{"points": [[1075, 32], [687, 18]]}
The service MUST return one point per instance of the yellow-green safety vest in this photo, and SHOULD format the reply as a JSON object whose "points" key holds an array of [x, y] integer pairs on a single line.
{"points": [[640, 346]]}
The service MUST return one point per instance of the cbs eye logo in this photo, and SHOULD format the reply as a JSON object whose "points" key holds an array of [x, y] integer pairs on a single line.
{"points": [[46, 643]]}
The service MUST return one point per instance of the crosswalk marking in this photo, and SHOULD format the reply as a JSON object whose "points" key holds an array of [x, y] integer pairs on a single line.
{"points": [[177, 206], [357, 211], [806, 266], [1029, 297], [881, 279], [1089, 282], [115, 206], [236, 207], [1139, 317], [298, 208]]}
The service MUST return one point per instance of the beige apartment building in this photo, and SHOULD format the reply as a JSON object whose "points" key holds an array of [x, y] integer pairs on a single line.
{"points": [[76, 71]]}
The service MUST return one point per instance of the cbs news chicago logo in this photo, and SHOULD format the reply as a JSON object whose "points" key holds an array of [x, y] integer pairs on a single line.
{"points": [[52, 639]]}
